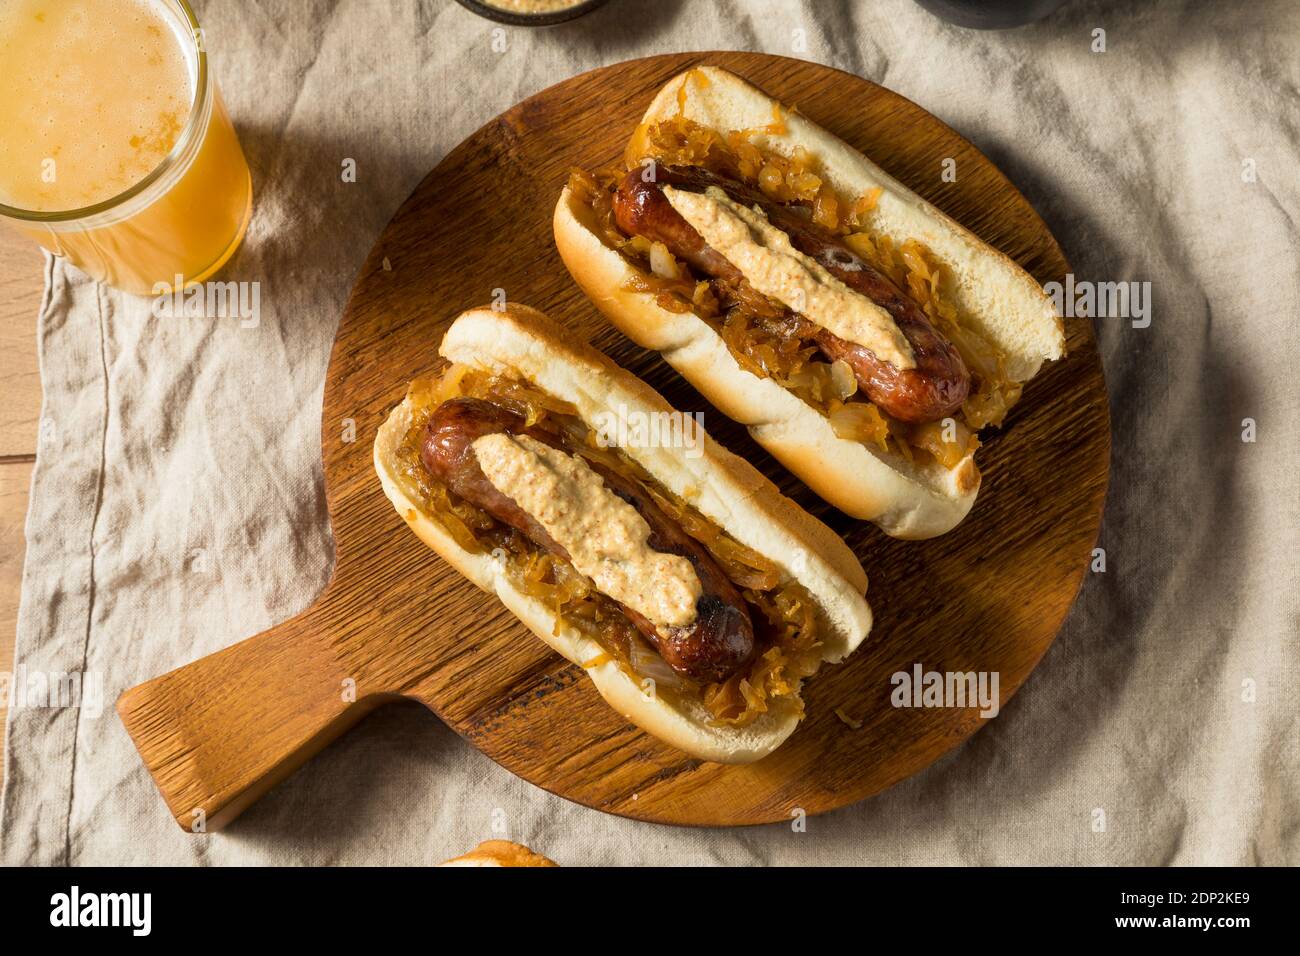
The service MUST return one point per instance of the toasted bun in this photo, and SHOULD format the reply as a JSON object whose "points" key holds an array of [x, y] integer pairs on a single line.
{"points": [[722, 487], [1004, 304], [499, 853]]}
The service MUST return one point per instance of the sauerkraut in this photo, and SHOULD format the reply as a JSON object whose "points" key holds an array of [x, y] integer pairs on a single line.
{"points": [[787, 627], [760, 333]]}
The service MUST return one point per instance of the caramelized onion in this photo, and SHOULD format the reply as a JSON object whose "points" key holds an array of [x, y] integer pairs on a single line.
{"points": [[645, 662], [930, 438], [662, 262], [862, 422], [796, 179], [843, 381], [782, 611]]}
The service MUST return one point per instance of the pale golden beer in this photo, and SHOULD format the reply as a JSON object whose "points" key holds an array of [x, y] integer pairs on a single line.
{"points": [[115, 148]]}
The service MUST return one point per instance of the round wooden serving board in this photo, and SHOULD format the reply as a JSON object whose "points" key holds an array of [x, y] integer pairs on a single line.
{"points": [[396, 621]]}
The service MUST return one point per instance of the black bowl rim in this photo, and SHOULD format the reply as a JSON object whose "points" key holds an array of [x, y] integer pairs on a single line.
{"points": [[530, 19]]}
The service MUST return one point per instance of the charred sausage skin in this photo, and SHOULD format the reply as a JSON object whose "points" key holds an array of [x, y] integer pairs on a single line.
{"points": [[940, 381], [721, 639]]}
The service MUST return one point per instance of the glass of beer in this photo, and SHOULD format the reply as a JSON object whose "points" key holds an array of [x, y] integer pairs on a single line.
{"points": [[116, 151]]}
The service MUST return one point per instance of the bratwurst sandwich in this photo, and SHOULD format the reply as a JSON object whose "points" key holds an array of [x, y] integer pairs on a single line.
{"points": [[862, 336], [695, 596]]}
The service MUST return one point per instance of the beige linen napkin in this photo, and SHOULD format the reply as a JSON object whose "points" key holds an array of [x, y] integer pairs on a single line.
{"points": [[177, 503]]}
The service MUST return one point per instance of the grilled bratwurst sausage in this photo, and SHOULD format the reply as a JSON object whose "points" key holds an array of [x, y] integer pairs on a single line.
{"points": [[721, 639], [938, 384]]}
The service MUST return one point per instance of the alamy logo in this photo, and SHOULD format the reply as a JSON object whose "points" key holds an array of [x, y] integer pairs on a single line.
{"points": [[622, 427], [209, 300], [30, 688], [1106, 300], [922, 688], [75, 908]]}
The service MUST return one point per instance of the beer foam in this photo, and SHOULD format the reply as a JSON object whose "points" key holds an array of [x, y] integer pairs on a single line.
{"points": [[93, 96]]}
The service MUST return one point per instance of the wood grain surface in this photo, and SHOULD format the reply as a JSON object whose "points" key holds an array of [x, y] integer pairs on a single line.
{"points": [[396, 621], [22, 282]]}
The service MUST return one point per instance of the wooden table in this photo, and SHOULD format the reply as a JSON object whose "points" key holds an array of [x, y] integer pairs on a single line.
{"points": [[21, 285]]}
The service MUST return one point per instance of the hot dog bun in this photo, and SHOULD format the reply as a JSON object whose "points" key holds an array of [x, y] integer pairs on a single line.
{"points": [[722, 487], [499, 853], [1002, 302]]}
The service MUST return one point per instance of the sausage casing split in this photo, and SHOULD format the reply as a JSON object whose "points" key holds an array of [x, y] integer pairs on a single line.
{"points": [[721, 639], [940, 381]]}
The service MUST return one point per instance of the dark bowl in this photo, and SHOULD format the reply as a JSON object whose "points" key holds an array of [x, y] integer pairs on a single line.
{"points": [[991, 14], [530, 19]]}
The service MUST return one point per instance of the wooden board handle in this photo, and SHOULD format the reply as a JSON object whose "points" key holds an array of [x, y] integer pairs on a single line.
{"points": [[218, 733]]}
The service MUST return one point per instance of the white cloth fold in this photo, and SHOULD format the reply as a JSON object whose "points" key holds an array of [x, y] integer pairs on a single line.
{"points": [[177, 502]]}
